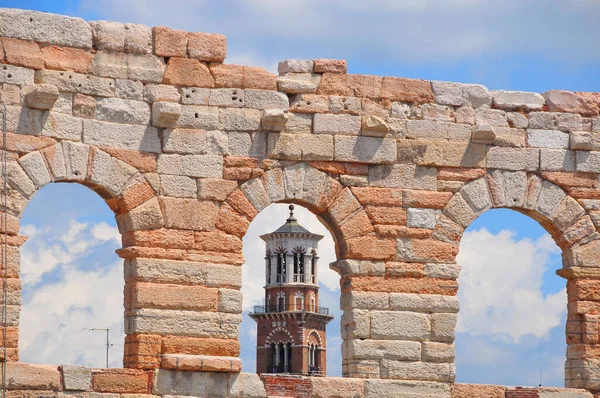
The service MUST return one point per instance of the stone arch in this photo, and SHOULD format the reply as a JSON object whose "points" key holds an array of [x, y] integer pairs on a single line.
{"points": [[270, 337], [316, 335], [571, 227], [333, 204], [117, 176], [560, 214]]}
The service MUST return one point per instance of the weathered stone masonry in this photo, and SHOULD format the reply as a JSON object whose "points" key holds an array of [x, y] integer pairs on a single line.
{"points": [[187, 151]]}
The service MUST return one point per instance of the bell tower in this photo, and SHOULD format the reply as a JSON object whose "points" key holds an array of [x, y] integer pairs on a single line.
{"points": [[291, 336]]}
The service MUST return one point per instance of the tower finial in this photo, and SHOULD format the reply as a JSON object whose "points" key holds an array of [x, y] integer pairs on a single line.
{"points": [[291, 218]]}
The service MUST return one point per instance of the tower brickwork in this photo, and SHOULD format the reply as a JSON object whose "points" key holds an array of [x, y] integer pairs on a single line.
{"points": [[291, 325]]}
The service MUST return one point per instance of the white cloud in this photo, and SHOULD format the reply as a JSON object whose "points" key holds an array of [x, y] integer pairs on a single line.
{"points": [[407, 31], [72, 281], [104, 232], [501, 286]]}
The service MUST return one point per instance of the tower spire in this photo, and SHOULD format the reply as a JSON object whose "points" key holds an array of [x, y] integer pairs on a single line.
{"points": [[291, 218]]}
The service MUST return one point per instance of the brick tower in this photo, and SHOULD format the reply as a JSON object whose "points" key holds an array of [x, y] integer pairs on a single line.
{"points": [[291, 325]]}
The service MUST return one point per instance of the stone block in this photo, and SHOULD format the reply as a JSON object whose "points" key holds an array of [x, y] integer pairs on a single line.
{"points": [[183, 323], [165, 114], [477, 195], [178, 186], [108, 35], [22, 376], [399, 325], [72, 82], [200, 384], [45, 28], [246, 385], [18, 179], [405, 388], [476, 95], [124, 111], [547, 139], [438, 352], [581, 140], [188, 72], [76, 160], [10, 94], [373, 125], [477, 391], [422, 218], [429, 129], [40, 96], [225, 97], [239, 119], [388, 349], [483, 134], [22, 53], [129, 89], [570, 102], [555, 121], [263, 99], [16, 75], [201, 166], [557, 160], [492, 117], [84, 106], [298, 83], [330, 65], [513, 158], [107, 64], [195, 141], [138, 39], [67, 59], [587, 161], [207, 47], [145, 67], [349, 105], [191, 95], [146, 216], [442, 327], [248, 144], [309, 103], [163, 92], [442, 372], [170, 42], [198, 117], [403, 176], [337, 124], [295, 66], [77, 378], [365, 149], [274, 119], [36, 169], [140, 138], [447, 93], [406, 90], [513, 100]]}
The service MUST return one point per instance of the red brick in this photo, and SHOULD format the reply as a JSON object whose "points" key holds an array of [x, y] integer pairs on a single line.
{"points": [[143, 161], [406, 90], [258, 78], [330, 66], [176, 297], [230, 221], [169, 42], [66, 58], [120, 381], [231, 76], [188, 72], [387, 215], [426, 199], [207, 46], [200, 346], [378, 196], [217, 241], [399, 285], [23, 53], [166, 238], [371, 248], [459, 174]]}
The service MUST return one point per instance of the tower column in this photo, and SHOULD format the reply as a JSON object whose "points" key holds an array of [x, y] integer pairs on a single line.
{"points": [[289, 267], [277, 355], [285, 357]]}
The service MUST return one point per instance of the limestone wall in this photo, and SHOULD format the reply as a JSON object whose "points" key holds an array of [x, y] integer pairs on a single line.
{"points": [[187, 151]]}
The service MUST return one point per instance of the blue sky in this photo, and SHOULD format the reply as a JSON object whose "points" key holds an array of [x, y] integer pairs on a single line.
{"points": [[514, 44]]}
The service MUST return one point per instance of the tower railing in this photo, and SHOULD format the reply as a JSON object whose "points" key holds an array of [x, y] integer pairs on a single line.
{"points": [[296, 278], [266, 309]]}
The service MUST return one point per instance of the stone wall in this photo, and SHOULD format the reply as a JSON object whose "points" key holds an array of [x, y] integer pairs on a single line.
{"points": [[187, 151]]}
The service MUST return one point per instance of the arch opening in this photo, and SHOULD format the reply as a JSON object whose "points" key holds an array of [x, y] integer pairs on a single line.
{"points": [[72, 279], [286, 281]]}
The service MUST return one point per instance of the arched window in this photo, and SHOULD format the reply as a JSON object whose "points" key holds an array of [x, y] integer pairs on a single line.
{"points": [[299, 301], [281, 301]]}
